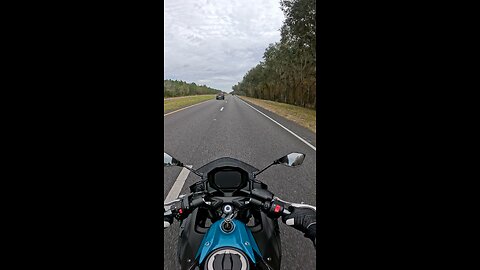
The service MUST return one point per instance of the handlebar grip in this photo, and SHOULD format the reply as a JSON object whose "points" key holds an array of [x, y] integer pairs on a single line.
{"points": [[262, 194], [256, 202], [196, 203]]}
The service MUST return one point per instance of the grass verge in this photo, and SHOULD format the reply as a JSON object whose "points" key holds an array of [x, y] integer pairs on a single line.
{"points": [[305, 117], [178, 103]]}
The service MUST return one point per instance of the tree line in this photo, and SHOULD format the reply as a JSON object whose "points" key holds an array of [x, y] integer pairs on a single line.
{"points": [[288, 71], [174, 88]]}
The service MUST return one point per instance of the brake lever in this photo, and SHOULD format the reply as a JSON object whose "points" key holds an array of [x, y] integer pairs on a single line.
{"points": [[301, 205]]}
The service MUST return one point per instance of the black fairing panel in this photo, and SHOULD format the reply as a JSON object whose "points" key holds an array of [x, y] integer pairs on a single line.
{"points": [[226, 162], [189, 241], [268, 241]]}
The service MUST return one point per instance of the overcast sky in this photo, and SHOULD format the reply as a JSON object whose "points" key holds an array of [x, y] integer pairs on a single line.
{"points": [[215, 42]]}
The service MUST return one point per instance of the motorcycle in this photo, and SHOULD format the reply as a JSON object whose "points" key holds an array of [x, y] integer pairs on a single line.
{"points": [[230, 219]]}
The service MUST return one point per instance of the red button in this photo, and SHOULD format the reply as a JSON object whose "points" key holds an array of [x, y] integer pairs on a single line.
{"points": [[180, 210], [277, 208]]}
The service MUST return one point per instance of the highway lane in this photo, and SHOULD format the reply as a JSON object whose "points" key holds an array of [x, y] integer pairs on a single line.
{"points": [[206, 132]]}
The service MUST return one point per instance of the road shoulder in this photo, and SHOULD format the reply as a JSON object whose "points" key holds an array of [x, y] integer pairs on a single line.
{"points": [[301, 131], [174, 104]]}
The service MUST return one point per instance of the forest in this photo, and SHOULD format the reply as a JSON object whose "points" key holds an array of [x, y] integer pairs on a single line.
{"points": [[173, 88], [288, 71]]}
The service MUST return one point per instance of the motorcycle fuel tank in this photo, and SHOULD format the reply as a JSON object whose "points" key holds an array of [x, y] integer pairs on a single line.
{"points": [[239, 237]]}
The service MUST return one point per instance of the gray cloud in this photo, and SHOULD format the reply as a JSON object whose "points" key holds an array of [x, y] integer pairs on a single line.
{"points": [[217, 42]]}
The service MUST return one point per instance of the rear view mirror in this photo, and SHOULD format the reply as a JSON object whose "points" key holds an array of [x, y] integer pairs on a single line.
{"points": [[291, 160], [169, 161]]}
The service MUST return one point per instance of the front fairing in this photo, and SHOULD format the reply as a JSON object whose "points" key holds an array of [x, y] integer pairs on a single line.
{"points": [[226, 162], [240, 238]]}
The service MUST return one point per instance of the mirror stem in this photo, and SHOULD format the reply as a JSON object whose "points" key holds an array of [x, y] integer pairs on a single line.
{"points": [[259, 172]]}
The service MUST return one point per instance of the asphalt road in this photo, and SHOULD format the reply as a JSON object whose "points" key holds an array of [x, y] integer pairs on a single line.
{"points": [[204, 133]]}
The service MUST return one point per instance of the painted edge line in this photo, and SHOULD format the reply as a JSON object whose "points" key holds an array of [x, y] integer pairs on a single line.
{"points": [[185, 108], [291, 132], [178, 185]]}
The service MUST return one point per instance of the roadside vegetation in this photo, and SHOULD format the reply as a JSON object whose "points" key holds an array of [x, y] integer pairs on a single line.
{"points": [[288, 71], [173, 88], [302, 116], [178, 103]]}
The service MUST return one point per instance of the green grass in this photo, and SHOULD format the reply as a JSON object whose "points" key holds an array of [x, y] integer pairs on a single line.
{"points": [[175, 104], [302, 116]]}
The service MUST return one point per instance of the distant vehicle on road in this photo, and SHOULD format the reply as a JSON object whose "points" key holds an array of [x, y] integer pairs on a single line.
{"points": [[220, 96]]}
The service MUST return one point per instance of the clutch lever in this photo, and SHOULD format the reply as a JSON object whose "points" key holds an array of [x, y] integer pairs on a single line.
{"points": [[179, 199]]}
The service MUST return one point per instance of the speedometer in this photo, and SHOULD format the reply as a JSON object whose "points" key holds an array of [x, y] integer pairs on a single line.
{"points": [[228, 179]]}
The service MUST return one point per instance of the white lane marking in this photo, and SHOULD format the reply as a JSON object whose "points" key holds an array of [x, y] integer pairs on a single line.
{"points": [[178, 185], [221, 109], [298, 137], [185, 108]]}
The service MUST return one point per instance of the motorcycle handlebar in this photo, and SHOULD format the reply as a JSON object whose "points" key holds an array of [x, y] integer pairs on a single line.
{"points": [[272, 206], [197, 202]]}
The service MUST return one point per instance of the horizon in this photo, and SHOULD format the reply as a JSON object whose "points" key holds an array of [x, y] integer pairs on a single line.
{"points": [[199, 84]]}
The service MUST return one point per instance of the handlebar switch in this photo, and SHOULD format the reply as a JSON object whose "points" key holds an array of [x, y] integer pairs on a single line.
{"points": [[179, 214], [276, 210]]}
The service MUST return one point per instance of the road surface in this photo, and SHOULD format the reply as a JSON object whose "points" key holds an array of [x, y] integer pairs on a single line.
{"points": [[230, 127]]}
